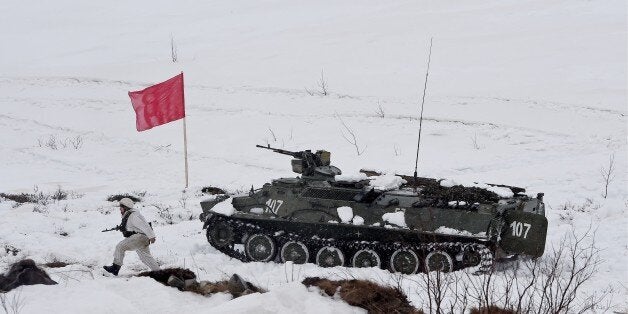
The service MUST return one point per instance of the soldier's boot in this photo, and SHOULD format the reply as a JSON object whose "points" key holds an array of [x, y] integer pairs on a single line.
{"points": [[114, 269], [237, 285]]}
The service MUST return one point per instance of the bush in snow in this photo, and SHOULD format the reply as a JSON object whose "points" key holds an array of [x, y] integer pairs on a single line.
{"points": [[38, 196], [550, 284], [134, 196], [55, 143], [212, 190], [322, 87], [567, 210], [171, 215], [365, 294], [608, 174]]}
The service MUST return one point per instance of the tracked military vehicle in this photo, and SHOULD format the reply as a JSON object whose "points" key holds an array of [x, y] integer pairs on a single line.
{"points": [[422, 224]]}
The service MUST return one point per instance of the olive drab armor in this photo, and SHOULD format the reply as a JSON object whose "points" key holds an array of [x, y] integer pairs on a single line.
{"points": [[422, 225]]}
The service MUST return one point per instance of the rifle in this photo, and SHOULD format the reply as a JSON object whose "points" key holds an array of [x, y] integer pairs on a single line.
{"points": [[116, 228]]}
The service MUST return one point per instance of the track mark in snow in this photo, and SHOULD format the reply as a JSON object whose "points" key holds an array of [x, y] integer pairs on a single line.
{"points": [[557, 106]]}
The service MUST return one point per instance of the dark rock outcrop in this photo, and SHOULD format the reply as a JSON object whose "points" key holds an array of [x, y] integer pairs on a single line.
{"points": [[365, 294], [24, 272]]}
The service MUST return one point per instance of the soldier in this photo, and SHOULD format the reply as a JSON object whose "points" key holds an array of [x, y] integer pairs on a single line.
{"points": [[138, 236]]}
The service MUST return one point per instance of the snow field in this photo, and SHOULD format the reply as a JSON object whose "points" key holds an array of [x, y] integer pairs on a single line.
{"points": [[530, 94]]}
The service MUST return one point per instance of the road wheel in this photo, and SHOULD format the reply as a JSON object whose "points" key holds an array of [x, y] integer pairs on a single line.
{"points": [[260, 248], [404, 261], [439, 261], [330, 256], [471, 257], [366, 258], [295, 252], [220, 235]]}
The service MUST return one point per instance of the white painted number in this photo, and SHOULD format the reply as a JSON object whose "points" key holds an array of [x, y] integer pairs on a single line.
{"points": [[517, 229], [274, 205]]}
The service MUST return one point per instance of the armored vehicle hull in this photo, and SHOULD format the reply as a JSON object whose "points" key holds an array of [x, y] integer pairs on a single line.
{"points": [[422, 224]]}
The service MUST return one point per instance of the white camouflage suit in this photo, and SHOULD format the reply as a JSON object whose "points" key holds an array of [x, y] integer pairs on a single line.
{"points": [[138, 242]]}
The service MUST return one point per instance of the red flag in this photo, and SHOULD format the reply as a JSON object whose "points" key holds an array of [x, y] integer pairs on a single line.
{"points": [[159, 104]]}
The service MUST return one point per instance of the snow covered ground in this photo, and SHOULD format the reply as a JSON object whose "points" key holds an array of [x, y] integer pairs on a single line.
{"points": [[527, 93]]}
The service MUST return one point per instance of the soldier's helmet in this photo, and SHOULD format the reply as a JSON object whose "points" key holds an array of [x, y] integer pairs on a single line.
{"points": [[127, 202]]}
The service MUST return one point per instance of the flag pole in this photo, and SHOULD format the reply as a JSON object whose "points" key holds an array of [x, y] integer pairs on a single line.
{"points": [[185, 136]]}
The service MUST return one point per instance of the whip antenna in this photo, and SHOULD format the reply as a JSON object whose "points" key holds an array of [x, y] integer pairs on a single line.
{"points": [[418, 145]]}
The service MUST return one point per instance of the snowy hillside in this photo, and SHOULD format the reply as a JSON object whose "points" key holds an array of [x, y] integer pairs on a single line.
{"points": [[526, 93]]}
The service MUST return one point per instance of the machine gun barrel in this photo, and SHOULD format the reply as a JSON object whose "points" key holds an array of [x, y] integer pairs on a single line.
{"points": [[112, 229], [282, 151]]}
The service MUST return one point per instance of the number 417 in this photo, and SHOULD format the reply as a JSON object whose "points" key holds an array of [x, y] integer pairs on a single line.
{"points": [[517, 229]]}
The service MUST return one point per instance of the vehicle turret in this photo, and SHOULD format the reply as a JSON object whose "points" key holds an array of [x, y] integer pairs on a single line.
{"points": [[315, 166]]}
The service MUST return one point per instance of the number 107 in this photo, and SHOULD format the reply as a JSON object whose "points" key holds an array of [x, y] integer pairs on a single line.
{"points": [[517, 229]]}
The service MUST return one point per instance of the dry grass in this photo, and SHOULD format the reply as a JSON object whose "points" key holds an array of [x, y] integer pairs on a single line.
{"points": [[162, 275], [56, 264], [118, 197], [212, 190], [365, 294]]}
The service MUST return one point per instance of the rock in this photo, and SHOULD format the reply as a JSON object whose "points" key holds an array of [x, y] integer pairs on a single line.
{"points": [[24, 272], [237, 285]]}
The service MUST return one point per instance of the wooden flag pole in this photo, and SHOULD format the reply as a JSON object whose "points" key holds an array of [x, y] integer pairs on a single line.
{"points": [[185, 136]]}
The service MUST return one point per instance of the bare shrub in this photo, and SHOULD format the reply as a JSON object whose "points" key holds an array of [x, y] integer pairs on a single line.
{"points": [[183, 201], [52, 142], [42, 209], [105, 210], [608, 174], [12, 304], [567, 210], [437, 285], [163, 211], [55, 143], [553, 284], [59, 194], [9, 249], [350, 138], [474, 141], [290, 277], [380, 111], [272, 133], [76, 142], [548, 285], [321, 85]]}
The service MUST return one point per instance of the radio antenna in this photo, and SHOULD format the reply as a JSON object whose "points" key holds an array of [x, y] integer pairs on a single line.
{"points": [[418, 145]]}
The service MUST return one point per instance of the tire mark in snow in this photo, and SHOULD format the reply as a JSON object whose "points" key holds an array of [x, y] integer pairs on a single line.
{"points": [[41, 124], [299, 92], [143, 145], [553, 105], [409, 118], [81, 80]]}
